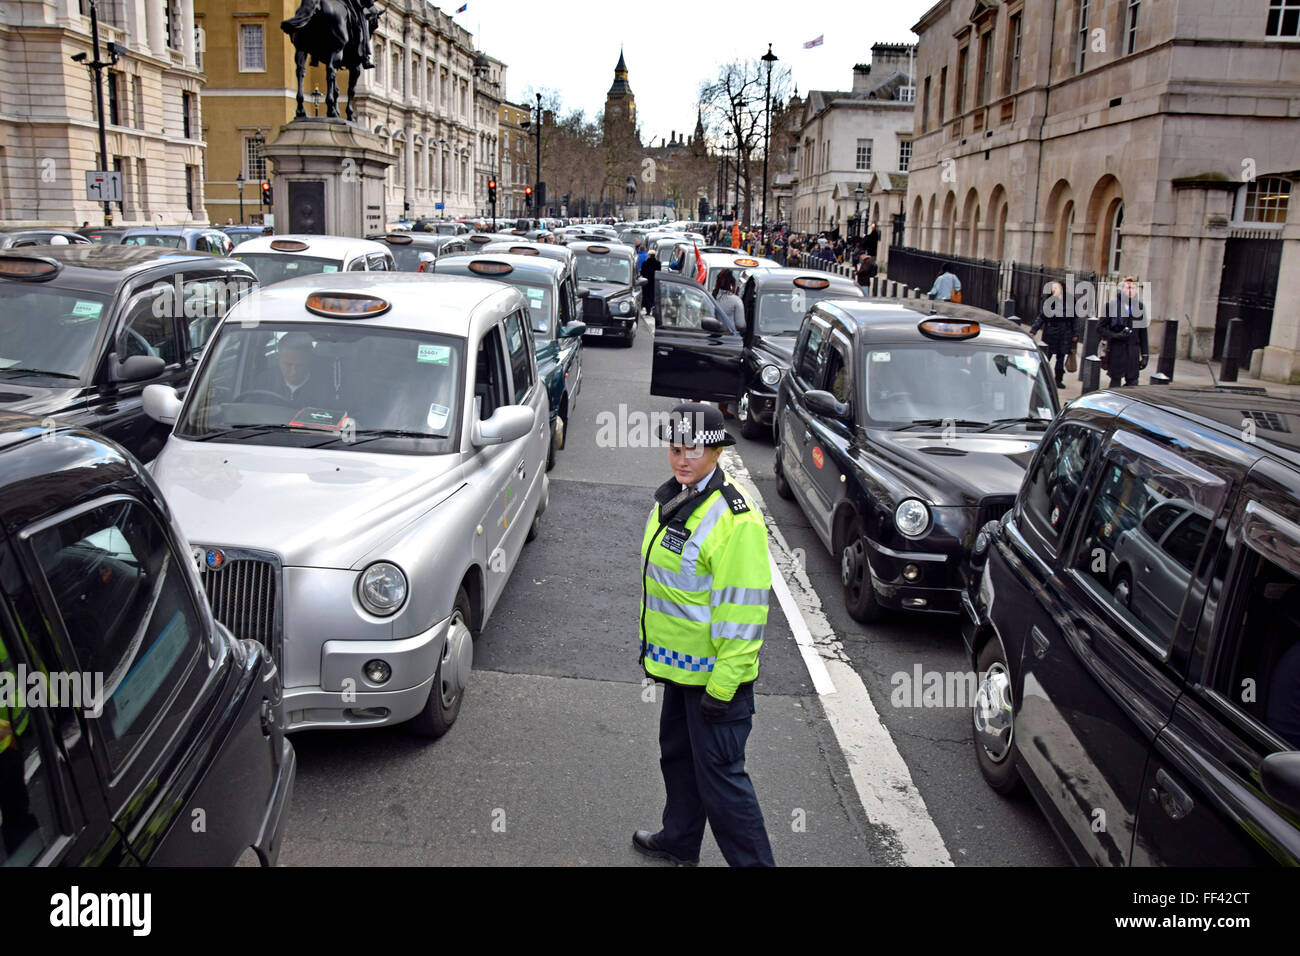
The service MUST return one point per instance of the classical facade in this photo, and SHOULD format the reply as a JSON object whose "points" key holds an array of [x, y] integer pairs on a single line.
{"points": [[846, 137], [1116, 137], [49, 135], [432, 98], [516, 154]]}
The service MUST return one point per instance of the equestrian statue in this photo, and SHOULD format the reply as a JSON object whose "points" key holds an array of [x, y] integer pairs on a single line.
{"points": [[336, 33]]}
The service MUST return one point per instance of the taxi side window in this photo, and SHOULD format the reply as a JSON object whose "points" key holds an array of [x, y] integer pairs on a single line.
{"points": [[839, 370], [1057, 479], [127, 612], [682, 307], [490, 374], [207, 301], [145, 332], [1258, 669], [358, 265], [809, 359], [27, 821], [378, 262], [520, 345], [1143, 579]]}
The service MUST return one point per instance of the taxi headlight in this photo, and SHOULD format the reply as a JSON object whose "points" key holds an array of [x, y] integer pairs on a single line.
{"points": [[381, 588], [912, 517], [624, 307], [770, 375]]}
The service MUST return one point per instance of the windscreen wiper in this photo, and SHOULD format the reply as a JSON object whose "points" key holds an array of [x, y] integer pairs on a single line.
{"points": [[370, 434], [41, 371], [1027, 419], [940, 423]]}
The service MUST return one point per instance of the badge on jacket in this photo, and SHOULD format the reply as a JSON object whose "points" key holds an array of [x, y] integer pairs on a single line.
{"points": [[675, 540]]}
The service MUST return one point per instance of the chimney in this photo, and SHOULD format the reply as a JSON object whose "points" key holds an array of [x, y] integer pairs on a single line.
{"points": [[861, 77]]}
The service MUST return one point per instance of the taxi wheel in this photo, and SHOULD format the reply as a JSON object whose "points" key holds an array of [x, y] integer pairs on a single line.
{"points": [[749, 425], [449, 681], [782, 486], [993, 719], [855, 574], [629, 339], [550, 451]]}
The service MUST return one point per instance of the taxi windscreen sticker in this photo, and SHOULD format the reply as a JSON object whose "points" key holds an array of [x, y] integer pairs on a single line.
{"points": [[535, 295], [322, 418], [86, 310], [329, 268], [438, 415], [880, 356], [434, 354]]}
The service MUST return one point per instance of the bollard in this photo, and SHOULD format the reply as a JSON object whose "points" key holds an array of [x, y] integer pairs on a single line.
{"points": [[1091, 339], [893, 289], [1232, 349], [1165, 365], [1091, 374], [875, 286], [1008, 308]]}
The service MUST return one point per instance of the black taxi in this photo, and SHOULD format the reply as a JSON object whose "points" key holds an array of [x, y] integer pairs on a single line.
{"points": [[87, 327], [1135, 630], [901, 432], [158, 737], [609, 287], [692, 357]]}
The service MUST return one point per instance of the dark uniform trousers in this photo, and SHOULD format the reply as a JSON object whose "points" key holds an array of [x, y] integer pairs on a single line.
{"points": [[703, 763]]}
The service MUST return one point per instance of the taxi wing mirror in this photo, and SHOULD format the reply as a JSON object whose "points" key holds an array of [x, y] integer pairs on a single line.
{"points": [[821, 402], [135, 368], [1280, 775], [161, 403], [508, 423], [642, 281], [573, 330]]}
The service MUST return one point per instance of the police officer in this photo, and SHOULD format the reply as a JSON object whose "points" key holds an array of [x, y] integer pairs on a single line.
{"points": [[705, 582]]}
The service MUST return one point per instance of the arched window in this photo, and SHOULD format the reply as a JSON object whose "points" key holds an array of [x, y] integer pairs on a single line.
{"points": [[1115, 237], [1067, 248]]}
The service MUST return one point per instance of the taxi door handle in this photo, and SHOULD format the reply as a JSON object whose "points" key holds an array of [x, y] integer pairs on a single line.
{"points": [[1172, 798], [1040, 643], [807, 436], [520, 470]]}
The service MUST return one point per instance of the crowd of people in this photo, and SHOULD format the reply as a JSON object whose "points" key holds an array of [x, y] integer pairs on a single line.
{"points": [[786, 246]]}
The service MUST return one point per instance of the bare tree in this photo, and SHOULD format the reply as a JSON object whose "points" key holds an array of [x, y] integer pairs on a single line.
{"points": [[733, 103]]}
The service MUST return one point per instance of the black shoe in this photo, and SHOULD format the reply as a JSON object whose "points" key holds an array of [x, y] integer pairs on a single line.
{"points": [[647, 844], [1060, 384]]}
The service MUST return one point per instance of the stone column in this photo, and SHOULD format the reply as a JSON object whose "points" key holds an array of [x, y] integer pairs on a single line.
{"points": [[187, 33], [1282, 354], [154, 23]]}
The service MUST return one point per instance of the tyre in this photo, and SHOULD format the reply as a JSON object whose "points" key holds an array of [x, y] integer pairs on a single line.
{"points": [[631, 337], [855, 575], [452, 676], [993, 720], [749, 426], [782, 486], [535, 528]]}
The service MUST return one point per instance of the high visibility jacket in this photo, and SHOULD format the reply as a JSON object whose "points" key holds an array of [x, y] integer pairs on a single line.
{"points": [[705, 583], [13, 720]]}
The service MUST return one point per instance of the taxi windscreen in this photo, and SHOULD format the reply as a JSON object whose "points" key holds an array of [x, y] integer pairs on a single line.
{"points": [[603, 267], [781, 313], [336, 385], [912, 384], [276, 266], [169, 242], [47, 331]]}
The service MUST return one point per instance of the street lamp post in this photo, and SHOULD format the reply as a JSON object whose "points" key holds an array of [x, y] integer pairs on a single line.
{"points": [[239, 183], [769, 58], [536, 131], [442, 173], [858, 193], [96, 66]]}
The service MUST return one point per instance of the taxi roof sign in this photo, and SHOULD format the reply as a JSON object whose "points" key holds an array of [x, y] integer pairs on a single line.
{"points": [[490, 267], [27, 267], [398, 238], [288, 245], [747, 262], [598, 250], [811, 282], [346, 305], [949, 328], [524, 250]]}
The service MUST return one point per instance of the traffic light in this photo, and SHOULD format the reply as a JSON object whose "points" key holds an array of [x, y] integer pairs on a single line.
{"points": [[492, 190], [528, 196], [266, 194]]}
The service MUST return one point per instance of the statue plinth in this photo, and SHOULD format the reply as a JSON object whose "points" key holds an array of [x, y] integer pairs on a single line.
{"points": [[328, 178]]}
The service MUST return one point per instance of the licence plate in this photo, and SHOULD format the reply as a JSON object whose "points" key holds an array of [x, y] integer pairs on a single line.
{"points": [[591, 331]]}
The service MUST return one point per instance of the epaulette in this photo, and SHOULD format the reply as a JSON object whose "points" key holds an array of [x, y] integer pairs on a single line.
{"points": [[735, 499]]}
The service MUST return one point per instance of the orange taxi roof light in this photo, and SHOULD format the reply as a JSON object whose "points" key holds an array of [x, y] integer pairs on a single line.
{"points": [[490, 267], [22, 267], [398, 239], [949, 328], [346, 305], [598, 250], [524, 250], [811, 282], [288, 245], [746, 262]]}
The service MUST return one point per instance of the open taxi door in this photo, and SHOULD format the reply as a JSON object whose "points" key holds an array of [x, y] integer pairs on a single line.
{"points": [[697, 351]]}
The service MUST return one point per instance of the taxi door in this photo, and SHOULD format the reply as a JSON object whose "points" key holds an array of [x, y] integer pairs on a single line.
{"points": [[695, 354], [832, 438], [794, 433]]}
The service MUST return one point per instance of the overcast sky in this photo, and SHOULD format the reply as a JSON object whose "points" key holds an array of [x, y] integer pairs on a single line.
{"points": [[571, 46]]}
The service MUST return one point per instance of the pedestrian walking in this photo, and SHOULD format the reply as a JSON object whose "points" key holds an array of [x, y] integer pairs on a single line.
{"points": [[640, 255], [705, 582], [867, 270], [1123, 327], [873, 240], [649, 268], [947, 287], [1060, 333]]}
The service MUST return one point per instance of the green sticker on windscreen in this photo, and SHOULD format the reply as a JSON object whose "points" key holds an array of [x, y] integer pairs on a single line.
{"points": [[434, 354], [535, 294], [87, 310], [329, 268]]}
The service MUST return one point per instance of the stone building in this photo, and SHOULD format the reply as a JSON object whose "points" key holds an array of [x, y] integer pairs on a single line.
{"points": [[49, 134], [1118, 137], [846, 137], [516, 155]]}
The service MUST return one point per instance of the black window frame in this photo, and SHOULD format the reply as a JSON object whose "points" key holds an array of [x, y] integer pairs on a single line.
{"points": [[801, 349], [1028, 518]]}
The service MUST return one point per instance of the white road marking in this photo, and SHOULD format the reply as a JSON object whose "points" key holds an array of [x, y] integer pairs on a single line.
{"points": [[880, 775]]}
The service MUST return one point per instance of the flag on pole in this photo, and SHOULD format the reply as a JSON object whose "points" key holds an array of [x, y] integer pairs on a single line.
{"points": [[812, 43], [701, 273], [462, 8]]}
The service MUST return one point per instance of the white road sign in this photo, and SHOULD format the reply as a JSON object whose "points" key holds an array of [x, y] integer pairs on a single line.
{"points": [[104, 186]]}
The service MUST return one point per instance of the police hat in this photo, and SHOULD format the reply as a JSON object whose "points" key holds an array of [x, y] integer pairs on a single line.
{"points": [[694, 423]]}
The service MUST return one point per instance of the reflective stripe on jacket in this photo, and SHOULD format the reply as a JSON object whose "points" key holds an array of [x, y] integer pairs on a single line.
{"points": [[704, 610]]}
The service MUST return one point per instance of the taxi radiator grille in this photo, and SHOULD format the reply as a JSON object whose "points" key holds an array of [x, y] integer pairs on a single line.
{"points": [[992, 508], [593, 308], [243, 597]]}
